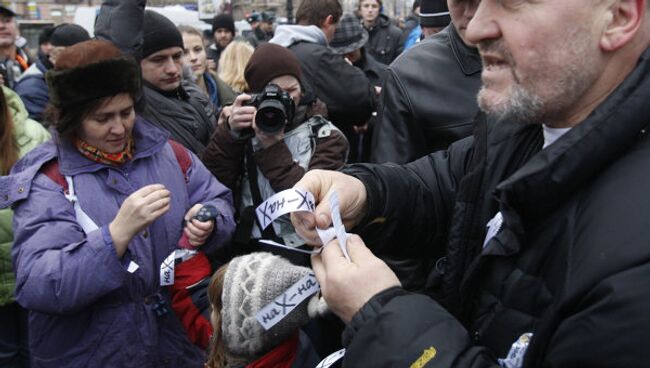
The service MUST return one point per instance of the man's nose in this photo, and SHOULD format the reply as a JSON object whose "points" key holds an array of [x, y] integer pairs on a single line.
{"points": [[483, 24], [171, 67]]}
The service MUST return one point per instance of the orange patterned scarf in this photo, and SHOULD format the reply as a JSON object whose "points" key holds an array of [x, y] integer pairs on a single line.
{"points": [[95, 154]]}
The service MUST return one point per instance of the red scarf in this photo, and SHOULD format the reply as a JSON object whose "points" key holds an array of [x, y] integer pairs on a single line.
{"points": [[281, 357], [95, 154]]}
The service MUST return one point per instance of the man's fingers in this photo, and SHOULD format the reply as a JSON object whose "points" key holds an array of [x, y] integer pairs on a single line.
{"points": [[357, 249], [303, 219], [332, 254], [319, 269]]}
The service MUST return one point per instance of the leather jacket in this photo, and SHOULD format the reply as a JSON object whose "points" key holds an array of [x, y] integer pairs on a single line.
{"points": [[428, 99]]}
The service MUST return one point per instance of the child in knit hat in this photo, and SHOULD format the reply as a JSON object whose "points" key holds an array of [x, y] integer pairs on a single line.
{"points": [[237, 292]]}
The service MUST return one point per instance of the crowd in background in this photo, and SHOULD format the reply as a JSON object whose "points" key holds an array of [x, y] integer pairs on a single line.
{"points": [[150, 145]]}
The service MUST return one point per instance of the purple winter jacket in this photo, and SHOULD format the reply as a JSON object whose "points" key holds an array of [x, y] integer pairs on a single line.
{"points": [[86, 309]]}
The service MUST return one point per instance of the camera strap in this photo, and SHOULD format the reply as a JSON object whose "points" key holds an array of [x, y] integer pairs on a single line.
{"points": [[251, 170]]}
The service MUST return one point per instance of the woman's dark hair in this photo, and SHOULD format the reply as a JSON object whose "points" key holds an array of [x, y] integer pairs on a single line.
{"points": [[8, 146], [67, 120]]}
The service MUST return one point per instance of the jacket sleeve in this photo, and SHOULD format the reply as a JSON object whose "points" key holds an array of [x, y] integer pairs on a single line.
{"points": [[34, 97], [224, 156], [410, 206], [277, 164], [121, 21], [422, 334], [350, 96], [396, 137], [206, 189], [60, 269]]}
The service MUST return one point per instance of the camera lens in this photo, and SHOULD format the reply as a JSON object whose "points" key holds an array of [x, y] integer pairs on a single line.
{"points": [[271, 116]]}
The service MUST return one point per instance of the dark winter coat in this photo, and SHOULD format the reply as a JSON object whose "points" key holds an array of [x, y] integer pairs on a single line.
{"points": [[373, 69], [570, 263], [214, 53], [347, 92], [186, 113], [32, 89], [385, 41], [428, 99]]}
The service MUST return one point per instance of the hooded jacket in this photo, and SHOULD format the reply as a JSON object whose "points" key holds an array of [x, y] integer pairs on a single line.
{"points": [[385, 40], [347, 92], [425, 109], [29, 134], [32, 89], [87, 307], [559, 283]]}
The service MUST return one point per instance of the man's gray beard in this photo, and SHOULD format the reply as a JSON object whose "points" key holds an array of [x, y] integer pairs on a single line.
{"points": [[522, 106]]}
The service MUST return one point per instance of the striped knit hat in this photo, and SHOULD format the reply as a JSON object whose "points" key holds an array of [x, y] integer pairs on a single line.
{"points": [[251, 282], [434, 13]]}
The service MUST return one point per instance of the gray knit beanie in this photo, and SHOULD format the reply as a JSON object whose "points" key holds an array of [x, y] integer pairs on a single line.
{"points": [[251, 282]]}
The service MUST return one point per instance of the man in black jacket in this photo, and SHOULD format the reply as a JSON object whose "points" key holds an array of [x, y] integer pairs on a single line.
{"points": [[170, 101], [347, 92], [385, 40], [542, 215], [429, 96]]}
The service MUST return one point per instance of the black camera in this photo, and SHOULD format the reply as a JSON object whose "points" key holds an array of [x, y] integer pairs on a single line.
{"points": [[275, 108]]}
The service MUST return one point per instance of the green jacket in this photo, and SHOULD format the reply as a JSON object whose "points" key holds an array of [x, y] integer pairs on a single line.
{"points": [[29, 134]]}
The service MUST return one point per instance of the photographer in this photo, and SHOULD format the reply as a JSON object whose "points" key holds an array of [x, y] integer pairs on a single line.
{"points": [[264, 148]]}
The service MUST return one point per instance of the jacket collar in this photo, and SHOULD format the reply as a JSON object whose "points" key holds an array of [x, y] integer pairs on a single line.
{"points": [[148, 141], [553, 174], [178, 93], [468, 58]]}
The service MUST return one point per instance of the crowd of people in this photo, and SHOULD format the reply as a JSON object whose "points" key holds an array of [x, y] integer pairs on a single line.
{"points": [[486, 158]]}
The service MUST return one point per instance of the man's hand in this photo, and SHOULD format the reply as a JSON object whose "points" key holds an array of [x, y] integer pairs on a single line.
{"points": [[322, 183], [348, 285], [197, 232]]}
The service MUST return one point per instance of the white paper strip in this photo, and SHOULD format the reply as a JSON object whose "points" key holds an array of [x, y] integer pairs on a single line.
{"points": [[167, 270], [290, 200], [341, 235], [275, 244], [288, 301], [167, 267], [331, 359]]}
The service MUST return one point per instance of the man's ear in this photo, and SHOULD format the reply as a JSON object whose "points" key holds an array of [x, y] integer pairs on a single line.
{"points": [[623, 20], [328, 21]]}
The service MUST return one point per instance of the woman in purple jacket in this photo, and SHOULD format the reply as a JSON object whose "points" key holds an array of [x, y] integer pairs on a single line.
{"points": [[97, 212]]}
